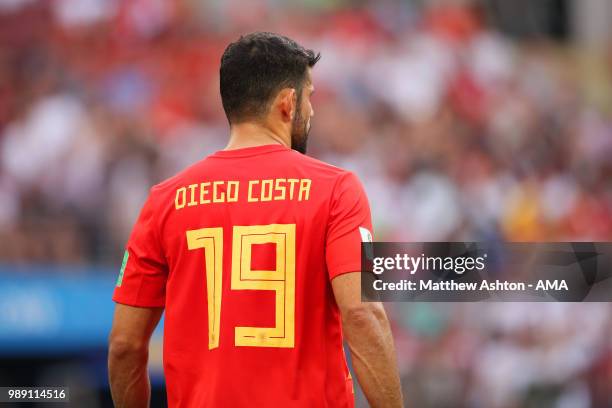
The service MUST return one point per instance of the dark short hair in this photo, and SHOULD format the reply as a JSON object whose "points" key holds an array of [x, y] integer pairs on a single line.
{"points": [[255, 68]]}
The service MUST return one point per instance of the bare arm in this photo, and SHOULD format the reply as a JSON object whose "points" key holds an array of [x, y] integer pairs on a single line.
{"points": [[370, 341], [128, 355]]}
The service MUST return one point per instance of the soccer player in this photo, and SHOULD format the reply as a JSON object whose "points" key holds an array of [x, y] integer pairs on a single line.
{"points": [[254, 253]]}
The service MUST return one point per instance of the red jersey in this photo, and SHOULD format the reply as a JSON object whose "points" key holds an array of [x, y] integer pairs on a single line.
{"points": [[240, 249]]}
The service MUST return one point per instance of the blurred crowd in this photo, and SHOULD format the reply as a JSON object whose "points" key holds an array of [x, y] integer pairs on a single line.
{"points": [[505, 355], [457, 132]]}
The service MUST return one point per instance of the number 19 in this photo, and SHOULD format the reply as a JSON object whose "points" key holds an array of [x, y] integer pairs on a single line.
{"points": [[281, 280]]}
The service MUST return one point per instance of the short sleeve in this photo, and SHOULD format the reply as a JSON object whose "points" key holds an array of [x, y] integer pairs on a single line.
{"points": [[350, 224], [144, 271]]}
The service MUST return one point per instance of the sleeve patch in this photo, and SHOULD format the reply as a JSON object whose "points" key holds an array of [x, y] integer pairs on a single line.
{"points": [[126, 255], [366, 235]]}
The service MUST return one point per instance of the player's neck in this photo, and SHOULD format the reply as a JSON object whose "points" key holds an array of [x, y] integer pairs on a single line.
{"points": [[245, 135]]}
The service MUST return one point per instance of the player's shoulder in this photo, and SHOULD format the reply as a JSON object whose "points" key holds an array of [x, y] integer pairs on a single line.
{"points": [[332, 181], [169, 185], [321, 168]]}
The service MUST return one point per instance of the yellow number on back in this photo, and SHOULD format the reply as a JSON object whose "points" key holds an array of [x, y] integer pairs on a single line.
{"points": [[281, 280], [211, 239]]}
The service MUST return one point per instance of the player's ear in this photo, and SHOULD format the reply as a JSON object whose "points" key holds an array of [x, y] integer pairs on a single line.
{"points": [[287, 103]]}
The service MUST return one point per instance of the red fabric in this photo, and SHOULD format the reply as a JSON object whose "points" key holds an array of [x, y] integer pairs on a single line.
{"points": [[162, 271]]}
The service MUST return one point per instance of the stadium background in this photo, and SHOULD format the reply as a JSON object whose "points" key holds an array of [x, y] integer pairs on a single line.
{"points": [[466, 120]]}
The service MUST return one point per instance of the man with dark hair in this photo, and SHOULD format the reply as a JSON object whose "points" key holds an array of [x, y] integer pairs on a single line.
{"points": [[254, 252]]}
